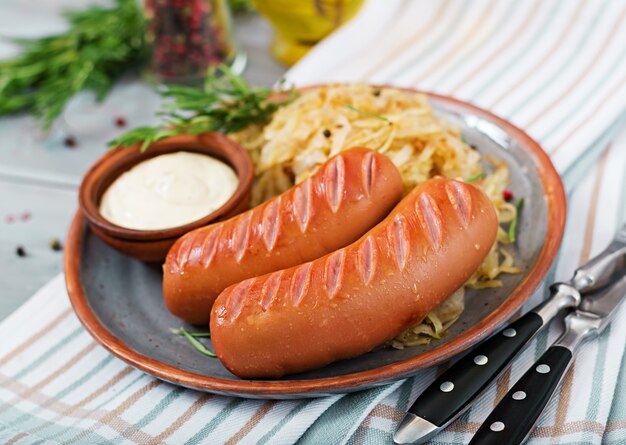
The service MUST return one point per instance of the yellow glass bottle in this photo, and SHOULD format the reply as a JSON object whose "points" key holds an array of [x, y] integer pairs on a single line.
{"points": [[300, 24]]}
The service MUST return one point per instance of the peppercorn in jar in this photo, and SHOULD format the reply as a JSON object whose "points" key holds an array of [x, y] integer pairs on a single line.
{"points": [[189, 37]]}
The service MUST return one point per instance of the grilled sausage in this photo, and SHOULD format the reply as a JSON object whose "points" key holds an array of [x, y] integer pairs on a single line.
{"points": [[346, 197], [348, 302]]}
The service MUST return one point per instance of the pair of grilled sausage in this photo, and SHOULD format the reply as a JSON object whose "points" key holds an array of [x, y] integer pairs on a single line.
{"points": [[286, 293]]}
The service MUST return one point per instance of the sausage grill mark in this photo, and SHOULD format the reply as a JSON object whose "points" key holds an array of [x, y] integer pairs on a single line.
{"points": [[237, 298], [271, 222], [367, 173], [269, 291], [334, 183], [461, 201], [333, 273], [367, 260], [241, 236], [398, 237], [196, 248], [300, 283], [183, 251], [429, 217], [302, 204], [209, 246]]}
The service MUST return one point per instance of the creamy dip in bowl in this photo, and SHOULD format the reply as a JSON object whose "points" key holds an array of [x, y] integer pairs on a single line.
{"points": [[141, 202], [168, 190]]}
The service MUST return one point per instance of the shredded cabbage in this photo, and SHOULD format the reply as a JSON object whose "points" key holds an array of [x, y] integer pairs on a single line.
{"points": [[294, 142], [436, 323]]}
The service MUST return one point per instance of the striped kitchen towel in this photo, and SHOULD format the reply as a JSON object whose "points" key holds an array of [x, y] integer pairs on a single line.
{"points": [[556, 68]]}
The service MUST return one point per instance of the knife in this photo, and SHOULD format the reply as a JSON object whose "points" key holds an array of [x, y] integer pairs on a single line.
{"points": [[515, 416], [452, 392]]}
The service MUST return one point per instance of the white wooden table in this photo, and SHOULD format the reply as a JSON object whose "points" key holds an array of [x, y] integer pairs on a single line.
{"points": [[39, 175]]}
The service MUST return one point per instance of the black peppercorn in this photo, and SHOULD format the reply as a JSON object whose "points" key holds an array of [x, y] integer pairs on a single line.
{"points": [[20, 251], [120, 121], [376, 92], [55, 244], [326, 133], [70, 141]]}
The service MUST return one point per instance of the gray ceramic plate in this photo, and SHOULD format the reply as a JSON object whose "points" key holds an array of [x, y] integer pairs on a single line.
{"points": [[119, 299]]}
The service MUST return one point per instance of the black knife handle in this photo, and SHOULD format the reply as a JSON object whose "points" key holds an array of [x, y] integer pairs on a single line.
{"points": [[452, 392], [516, 414]]}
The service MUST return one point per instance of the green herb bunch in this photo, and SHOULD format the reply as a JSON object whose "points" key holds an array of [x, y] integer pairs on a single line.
{"points": [[99, 46], [227, 104]]}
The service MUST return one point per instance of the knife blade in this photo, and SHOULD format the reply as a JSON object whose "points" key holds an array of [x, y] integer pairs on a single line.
{"points": [[515, 416], [452, 392]]}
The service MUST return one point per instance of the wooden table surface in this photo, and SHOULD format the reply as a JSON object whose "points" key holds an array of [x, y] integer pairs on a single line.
{"points": [[39, 175]]}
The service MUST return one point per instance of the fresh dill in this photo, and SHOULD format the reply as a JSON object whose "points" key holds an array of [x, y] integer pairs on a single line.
{"points": [[366, 113], [193, 341], [512, 233], [474, 178]]}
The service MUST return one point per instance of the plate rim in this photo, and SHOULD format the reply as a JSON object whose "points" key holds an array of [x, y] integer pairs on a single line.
{"points": [[554, 194]]}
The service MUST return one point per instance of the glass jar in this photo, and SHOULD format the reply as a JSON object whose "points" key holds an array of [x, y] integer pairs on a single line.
{"points": [[189, 37]]}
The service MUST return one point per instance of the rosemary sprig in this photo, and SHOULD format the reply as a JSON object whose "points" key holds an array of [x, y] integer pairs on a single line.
{"points": [[193, 341], [512, 234], [474, 178], [227, 104], [99, 46]]}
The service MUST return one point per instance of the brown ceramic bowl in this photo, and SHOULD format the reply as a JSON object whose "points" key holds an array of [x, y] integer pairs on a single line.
{"points": [[152, 245]]}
